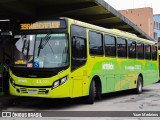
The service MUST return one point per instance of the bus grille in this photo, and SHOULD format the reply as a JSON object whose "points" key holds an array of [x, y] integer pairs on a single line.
{"points": [[39, 91], [23, 90]]}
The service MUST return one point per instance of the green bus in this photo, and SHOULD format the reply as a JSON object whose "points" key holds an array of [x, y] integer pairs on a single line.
{"points": [[63, 58]]}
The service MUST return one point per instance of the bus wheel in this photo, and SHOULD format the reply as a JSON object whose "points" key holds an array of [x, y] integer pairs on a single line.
{"points": [[97, 91], [139, 88], [91, 97]]}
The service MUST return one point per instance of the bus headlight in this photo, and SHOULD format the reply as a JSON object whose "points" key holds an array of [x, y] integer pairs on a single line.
{"points": [[59, 82], [56, 84], [63, 80], [12, 82]]}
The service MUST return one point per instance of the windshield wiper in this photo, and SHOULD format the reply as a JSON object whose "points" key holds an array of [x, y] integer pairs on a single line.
{"points": [[26, 45], [23, 46], [43, 42]]}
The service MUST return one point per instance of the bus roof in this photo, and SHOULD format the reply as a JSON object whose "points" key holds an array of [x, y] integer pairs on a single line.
{"points": [[114, 32]]}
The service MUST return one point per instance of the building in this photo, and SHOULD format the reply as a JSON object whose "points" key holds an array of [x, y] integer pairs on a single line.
{"points": [[141, 17], [157, 28]]}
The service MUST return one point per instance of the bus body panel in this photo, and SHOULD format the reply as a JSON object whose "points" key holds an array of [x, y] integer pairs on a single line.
{"points": [[115, 73]]}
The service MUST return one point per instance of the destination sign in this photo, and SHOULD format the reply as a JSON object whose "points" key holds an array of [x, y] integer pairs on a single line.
{"points": [[43, 25]]}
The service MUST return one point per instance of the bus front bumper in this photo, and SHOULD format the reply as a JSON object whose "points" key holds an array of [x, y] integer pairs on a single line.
{"points": [[62, 91]]}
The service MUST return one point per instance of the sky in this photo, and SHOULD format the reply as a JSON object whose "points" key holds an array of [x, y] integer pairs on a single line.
{"points": [[133, 4]]}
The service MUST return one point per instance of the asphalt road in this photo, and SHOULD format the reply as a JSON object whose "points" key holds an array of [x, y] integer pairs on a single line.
{"points": [[149, 100]]}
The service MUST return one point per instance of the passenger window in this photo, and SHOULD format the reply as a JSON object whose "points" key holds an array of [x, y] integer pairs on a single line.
{"points": [[154, 52], [131, 49], [110, 45], [121, 47], [140, 50], [147, 52], [95, 43]]}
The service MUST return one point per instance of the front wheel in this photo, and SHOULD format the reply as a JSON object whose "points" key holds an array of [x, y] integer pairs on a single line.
{"points": [[139, 87], [91, 97]]}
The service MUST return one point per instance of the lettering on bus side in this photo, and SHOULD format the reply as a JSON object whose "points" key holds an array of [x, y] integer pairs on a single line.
{"points": [[107, 66], [132, 68]]}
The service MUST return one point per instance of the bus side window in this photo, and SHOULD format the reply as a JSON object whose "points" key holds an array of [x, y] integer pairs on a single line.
{"points": [[148, 52], [131, 49], [110, 45], [154, 52], [95, 44], [121, 47], [140, 50]]}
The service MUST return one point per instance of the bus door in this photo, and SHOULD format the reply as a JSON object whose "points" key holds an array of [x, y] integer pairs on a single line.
{"points": [[78, 58]]}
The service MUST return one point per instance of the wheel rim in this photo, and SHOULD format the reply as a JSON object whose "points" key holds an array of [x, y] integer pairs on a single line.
{"points": [[140, 87]]}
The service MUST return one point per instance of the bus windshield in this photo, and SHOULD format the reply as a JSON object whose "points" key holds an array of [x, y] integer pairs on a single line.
{"points": [[41, 50]]}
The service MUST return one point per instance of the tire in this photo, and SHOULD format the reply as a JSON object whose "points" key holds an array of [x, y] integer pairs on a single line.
{"points": [[98, 92], [91, 97], [139, 87]]}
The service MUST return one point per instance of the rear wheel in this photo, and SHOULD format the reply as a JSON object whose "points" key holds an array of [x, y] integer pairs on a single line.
{"points": [[139, 87]]}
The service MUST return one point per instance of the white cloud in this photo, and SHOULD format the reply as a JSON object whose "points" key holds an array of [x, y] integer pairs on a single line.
{"points": [[132, 4]]}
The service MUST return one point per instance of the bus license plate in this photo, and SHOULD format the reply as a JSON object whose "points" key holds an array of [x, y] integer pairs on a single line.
{"points": [[32, 91]]}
